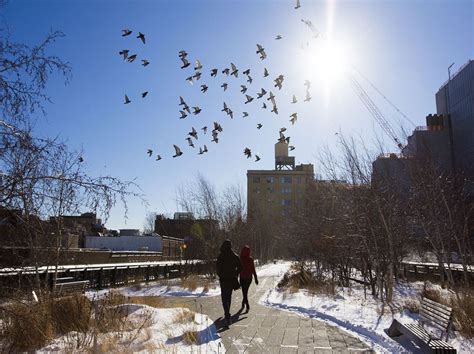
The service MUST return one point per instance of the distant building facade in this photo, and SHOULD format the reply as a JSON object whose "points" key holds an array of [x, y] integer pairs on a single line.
{"points": [[273, 193]]}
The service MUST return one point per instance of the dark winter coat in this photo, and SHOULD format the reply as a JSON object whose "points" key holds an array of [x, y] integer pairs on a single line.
{"points": [[228, 265], [248, 265]]}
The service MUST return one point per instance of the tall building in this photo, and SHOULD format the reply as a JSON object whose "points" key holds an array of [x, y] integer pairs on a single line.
{"points": [[456, 98], [274, 192]]}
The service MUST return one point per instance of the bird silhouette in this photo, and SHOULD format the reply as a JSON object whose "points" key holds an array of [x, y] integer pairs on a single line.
{"points": [[177, 150], [149, 152], [234, 71], [257, 158], [124, 53], [197, 65], [278, 37], [182, 102], [144, 94], [190, 142], [262, 93], [204, 88], [158, 157], [308, 97], [291, 147], [81, 159], [230, 113], [131, 58], [249, 99], [127, 100], [283, 129], [261, 51], [214, 72], [246, 72], [187, 109], [197, 75], [215, 139], [145, 62], [126, 32], [271, 97], [293, 119], [225, 109], [217, 127], [279, 81], [226, 71], [224, 85], [275, 109], [141, 36], [193, 133], [264, 106], [201, 151], [196, 110], [182, 54], [204, 129], [189, 79], [294, 99], [265, 72], [243, 88], [205, 149], [298, 5], [183, 115], [259, 126], [248, 152], [245, 114], [249, 79]]}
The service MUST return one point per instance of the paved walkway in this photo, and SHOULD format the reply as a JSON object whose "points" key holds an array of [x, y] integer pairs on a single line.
{"points": [[269, 330]]}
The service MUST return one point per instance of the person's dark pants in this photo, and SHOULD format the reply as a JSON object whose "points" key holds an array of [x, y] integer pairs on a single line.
{"points": [[245, 283], [226, 296]]}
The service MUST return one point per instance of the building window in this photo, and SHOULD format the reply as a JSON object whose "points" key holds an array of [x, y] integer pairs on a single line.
{"points": [[286, 202], [256, 190], [285, 179], [270, 189], [256, 180], [286, 190], [270, 179]]}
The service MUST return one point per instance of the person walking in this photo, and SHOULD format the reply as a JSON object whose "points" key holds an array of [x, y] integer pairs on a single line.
{"points": [[248, 270], [228, 268]]}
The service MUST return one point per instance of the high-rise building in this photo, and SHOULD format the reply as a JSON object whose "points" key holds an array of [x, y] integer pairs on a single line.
{"points": [[456, 98], [274, 193]]}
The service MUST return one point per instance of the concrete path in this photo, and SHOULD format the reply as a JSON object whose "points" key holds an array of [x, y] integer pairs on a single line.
{"points": [[268, 330]]}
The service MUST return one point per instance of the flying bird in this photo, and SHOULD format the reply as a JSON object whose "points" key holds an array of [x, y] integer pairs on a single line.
{"points": [[265, 72], [182, 54], [141, 36], [201, 151], [249, 79], [294, 99], [158, 157], [144, 94], [215, 139], [226, 71], [131, 58], [193, 133], [283, 129], [291, 147], [259, 125], [190, 141], [257, 158], [187, 109], [293, 119], [126, 32], [246, 72], [190, 79], [196, 110], [145, 62], [264, 106], [234, 71], [247, 152], [262, 93], [245, 114], [230, 113], [224, 85], [279, 81], [271, 97], [197, 75], [149, 152], [177, 150], [243, 88], [275, 109], [127, 100], [298, 5], [217, 127], [185, 63], [198, 65], [214, 72], [183, 115], [278, 37], [182, 102], [249, 99], [81, 159], [205, 149], [308, 97], [204, 129], [225, 109], [204, 88], [124, 53], [261, 51]]}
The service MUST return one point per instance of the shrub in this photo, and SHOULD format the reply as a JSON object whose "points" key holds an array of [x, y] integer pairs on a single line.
{"points": [[463, 308], [191, 337]]}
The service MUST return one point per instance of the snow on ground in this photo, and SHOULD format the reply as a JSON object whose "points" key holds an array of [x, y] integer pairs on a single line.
{"points": [[366, 318], [163, 334], [277, 269]]}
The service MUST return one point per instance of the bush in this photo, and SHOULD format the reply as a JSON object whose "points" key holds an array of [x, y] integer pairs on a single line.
{"points": [[302, 278], [463, 308], [71, 313]]}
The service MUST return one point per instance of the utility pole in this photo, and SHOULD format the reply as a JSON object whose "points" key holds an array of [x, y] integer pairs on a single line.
{"points": [[450, 125]]}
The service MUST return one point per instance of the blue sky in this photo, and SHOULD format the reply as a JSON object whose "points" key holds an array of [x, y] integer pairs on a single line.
{"points": [[404, 47]]}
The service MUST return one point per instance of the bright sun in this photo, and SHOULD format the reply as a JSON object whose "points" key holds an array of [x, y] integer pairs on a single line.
{"points": [[331, 61]]}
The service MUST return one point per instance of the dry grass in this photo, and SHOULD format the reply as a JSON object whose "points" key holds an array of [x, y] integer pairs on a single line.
{"points": [[463, 308], [184, 316], [411, 305], [191, 338], [303, 278]]}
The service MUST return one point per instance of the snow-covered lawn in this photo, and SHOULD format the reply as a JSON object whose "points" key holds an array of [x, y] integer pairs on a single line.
{"points": [[164, 331], [365, 318]]}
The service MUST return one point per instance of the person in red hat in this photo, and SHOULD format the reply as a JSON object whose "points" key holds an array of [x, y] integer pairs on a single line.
{"points": [[248, 270]]}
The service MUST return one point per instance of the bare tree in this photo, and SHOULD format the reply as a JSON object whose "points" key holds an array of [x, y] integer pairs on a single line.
{"points": [[149, 223]]}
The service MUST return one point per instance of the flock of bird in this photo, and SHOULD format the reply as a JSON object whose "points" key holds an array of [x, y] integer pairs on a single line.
{"points": [[192, 137]]}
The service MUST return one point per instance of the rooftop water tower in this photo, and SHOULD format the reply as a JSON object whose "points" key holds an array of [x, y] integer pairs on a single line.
{"points": [[282, 160]]}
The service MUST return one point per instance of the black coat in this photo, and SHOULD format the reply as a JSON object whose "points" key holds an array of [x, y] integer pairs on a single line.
{"points": [[228, 265]]}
